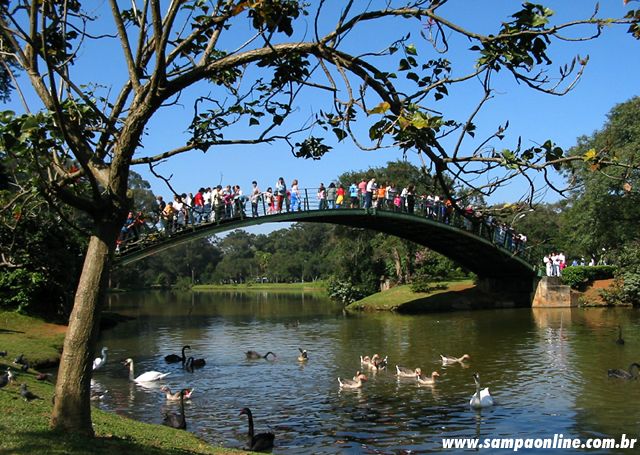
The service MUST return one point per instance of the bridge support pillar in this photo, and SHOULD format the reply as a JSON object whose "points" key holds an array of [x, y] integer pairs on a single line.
{"points": [[551, 293]]}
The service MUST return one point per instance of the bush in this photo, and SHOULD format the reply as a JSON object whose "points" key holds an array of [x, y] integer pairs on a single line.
{"points": [[579, 276], [345, 292]]}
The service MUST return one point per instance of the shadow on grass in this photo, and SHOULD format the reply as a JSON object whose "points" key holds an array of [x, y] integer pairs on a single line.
{"points": [[52, 442], [10, 331]]}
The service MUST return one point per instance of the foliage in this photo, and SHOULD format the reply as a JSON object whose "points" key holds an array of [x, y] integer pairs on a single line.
{"points": [[580, 276], [344, 291], [626, 287], [21, 290]]}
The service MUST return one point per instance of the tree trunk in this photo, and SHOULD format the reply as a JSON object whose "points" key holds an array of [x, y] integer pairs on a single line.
{"points": [[72, 410]]}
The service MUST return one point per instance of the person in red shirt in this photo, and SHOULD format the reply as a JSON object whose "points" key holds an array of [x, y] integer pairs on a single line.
{"points": [[198, 206]]}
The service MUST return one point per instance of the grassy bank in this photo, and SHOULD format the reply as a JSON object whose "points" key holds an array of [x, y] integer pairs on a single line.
{"points": [[317, 286], [25, 425], [401, 298]]}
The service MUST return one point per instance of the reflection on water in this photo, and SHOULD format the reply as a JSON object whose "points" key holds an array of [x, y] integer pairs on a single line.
{"points": [[546, 370]]}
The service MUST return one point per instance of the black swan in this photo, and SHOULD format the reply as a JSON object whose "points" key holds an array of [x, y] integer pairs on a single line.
{"points": [[253, 355], [194, 363], [634, 368], [174, 358], [257, 442], [171, 419], [620, 340]]}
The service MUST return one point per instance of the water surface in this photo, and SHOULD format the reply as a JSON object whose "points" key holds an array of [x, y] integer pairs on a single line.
{"points": [[546, 369]]}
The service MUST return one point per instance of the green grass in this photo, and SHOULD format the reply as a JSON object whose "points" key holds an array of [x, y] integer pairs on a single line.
{"points": [[395, 298], [317, 286], [25, 425]]}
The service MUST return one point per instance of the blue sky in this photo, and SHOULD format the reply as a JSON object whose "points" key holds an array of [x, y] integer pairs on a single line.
{"points": [[610, 78]]}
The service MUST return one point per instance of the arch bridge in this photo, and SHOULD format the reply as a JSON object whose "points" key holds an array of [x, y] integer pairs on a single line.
{"points": [[490, 252]]}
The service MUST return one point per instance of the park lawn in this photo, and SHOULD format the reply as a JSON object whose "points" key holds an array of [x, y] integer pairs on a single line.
{"points": [[25, 425], [315, 286], [398, 297]]}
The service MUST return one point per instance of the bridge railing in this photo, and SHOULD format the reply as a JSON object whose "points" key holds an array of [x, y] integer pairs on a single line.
{"points": [[311, 199]]}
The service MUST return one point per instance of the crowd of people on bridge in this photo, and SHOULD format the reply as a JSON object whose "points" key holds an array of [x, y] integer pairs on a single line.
{"points": [[217, 203]]}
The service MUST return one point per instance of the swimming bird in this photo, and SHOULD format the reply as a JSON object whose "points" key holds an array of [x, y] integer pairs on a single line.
{"points": [[354, 383], [194, 363], [620, 340], [253, 355], [370, 362], [99, 362], [173, 358], [381, 364], [446, 360], [365, 361], [482, 398], [303, 357], [634, 369], [426, 380], [186, 393], [404, 372], [98, 395], [27, 394], [148, 376], [171, 419], [257, 442]]}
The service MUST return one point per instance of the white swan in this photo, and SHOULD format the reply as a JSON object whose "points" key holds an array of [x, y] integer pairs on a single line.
{"points": [[148, 376], [446, 360], [482, 398], [427, 380], [404, 372], [100, 361]]}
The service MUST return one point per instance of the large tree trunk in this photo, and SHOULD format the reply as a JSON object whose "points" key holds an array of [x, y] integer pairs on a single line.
{"points": [[72, 410]]}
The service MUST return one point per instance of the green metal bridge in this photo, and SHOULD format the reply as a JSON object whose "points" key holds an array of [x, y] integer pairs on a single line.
{"points": [[486, 250]]}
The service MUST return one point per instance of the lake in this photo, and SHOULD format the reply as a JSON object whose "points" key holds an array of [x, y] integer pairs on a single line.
{"points": [[545, 368]]}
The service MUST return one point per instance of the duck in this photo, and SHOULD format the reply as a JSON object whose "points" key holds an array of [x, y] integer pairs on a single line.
{"points": [[446, 360], [257, 442], [194, 363], [482, 398], [19, 360], [404, 372], [253, 355], [174, 358], [4, 380], [148, 376], [370, 362], [425, 380], [27, 394], [99, 362], [354, 383], [620, 340], [303, 357], [632, 373], [365, 361], [3, 353], [43, 376], [186, 393], [171, 419], [98, 395]]}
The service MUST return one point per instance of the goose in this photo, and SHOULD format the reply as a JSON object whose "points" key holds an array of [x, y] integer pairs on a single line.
{"points": [[99, 362], [381, 364], [446, 360], [365, 361], [425, 380], [620, 340], [27, 394], [194, 363], [148, 376], [25, 366], [370, 362], [186, 393], [253, 355], [174, 358], [10, 375], [19, 360], [404, 372], [634, 368], [257, 442], [354, 383], [171, 419], [482, 398], [303, 357]]}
